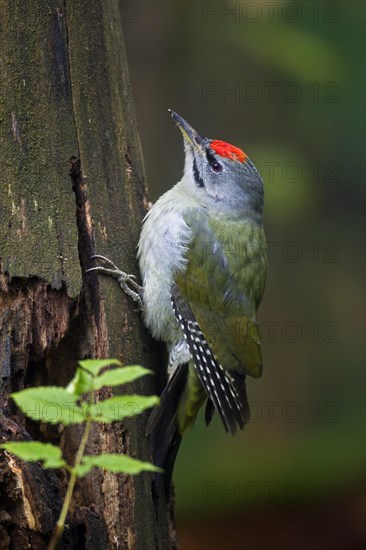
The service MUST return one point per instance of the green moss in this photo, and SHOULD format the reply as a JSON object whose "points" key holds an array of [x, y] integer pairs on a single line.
{"points": [[37, 212]]}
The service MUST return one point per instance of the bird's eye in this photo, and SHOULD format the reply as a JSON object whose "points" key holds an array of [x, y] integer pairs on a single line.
{"points": [[216, 167]]}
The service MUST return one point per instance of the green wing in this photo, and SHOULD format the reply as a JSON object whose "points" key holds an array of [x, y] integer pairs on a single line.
{"points": [[223, 285]]}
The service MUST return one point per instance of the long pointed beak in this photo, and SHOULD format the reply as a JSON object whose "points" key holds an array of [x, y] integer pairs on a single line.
{"points": [[189, 133]]}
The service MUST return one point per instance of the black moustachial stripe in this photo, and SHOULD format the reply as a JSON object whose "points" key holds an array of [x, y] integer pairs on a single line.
{"points": [[199, 181]]}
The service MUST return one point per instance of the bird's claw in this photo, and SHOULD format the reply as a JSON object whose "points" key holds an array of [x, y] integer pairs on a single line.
{"points": [[123, 279]]}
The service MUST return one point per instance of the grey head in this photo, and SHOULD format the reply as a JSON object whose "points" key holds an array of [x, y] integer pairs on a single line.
{"points": [[220, 176]]}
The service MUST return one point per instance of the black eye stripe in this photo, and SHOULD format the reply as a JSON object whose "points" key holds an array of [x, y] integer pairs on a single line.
{"points": [[214, 164], [210, 157]]}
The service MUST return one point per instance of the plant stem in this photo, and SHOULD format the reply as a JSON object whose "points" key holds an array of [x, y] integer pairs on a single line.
{"points": [[70, 489]]}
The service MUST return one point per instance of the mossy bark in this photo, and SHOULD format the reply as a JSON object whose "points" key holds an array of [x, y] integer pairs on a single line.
{"points": [[65, 94]]}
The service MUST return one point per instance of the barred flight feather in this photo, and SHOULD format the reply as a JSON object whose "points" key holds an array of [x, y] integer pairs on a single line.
{"points": [[226, 390]]}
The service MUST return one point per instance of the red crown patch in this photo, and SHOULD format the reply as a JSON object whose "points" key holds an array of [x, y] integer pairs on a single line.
{"points": [[228, 151]]}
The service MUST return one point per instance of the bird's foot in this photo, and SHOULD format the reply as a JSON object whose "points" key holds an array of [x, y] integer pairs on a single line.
{"points": [[125, 281]]}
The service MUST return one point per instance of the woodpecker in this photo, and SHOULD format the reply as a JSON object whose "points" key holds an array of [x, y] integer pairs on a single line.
{"points": [[203, 259]]}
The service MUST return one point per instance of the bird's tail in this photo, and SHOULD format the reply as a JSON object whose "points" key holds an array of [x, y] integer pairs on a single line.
{"points": [[179, 404], [163, 430]]}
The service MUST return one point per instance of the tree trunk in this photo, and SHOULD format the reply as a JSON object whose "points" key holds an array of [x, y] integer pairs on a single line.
{"points": [[66, 95]]}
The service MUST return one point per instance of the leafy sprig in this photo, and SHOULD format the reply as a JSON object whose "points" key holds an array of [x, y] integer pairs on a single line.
{"points": [[58, 405]]}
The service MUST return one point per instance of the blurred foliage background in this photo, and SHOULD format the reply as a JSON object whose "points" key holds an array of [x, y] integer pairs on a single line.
{"points": [[285, 82]]}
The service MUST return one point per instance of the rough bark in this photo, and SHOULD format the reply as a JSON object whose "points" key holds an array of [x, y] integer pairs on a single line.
{"points": [[65, 95]]}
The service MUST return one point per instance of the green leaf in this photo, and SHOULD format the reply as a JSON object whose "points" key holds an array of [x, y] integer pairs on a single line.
{"points": [[116, 377], [81, 383], [32, 451], [119, 407], [83, 469], [49, 404], [93, 366], [116, 463]]}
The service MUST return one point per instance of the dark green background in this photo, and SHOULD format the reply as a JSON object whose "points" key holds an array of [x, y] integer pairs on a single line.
{"points": [[295, 71]]}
